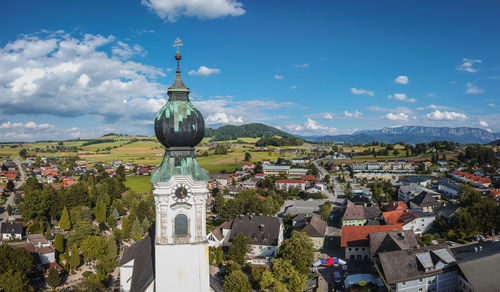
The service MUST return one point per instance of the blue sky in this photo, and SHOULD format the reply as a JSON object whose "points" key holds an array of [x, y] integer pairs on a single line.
{"points": [[85, 68]]}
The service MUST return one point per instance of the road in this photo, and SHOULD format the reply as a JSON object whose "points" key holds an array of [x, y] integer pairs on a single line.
{"points": [[338, 196], [18, 183]]}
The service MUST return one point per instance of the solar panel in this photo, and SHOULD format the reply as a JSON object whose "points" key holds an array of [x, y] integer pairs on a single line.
{"points": [[444, 255], [425, 260]]}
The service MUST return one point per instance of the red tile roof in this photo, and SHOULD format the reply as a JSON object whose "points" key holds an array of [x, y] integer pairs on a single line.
{"points": [[397, 205], [358, 235], [308, 177], [289, 181], [399, 217]]}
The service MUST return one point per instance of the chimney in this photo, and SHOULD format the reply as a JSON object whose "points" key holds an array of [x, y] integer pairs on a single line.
{"points": [[261, 226], [480, 248], [402, 234]]}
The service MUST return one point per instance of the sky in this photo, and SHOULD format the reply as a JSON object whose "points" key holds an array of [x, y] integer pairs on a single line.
{"points": [[81, 69]]}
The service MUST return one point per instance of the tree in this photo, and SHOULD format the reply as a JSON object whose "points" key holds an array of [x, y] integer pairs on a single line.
{"points": [[81, 231], [239, 248], [299, 250], [53, 279], [248, 156], [325, 210], [218, 203], [111, 221], [74, 260], [23, 153], [16, 268], [64, 222], [236, 281], [11, 281], [136, 231], [145, 225], [283, 277], [10, 186], [59, 243], [94, 247], [100, 211], [120, 173], [9, 209]]}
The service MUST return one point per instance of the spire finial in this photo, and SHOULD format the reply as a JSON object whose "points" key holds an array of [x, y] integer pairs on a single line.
{"points": [[178, 43]]}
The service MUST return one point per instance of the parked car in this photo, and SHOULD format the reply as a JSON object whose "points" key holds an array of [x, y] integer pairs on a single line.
{"points": [[450, 243]]}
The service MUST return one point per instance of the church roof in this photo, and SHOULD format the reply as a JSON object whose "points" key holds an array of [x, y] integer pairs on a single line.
{"points": [[142, 252]]}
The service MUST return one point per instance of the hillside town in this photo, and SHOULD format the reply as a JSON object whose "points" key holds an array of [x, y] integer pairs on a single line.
{"points": [[389, 224]]}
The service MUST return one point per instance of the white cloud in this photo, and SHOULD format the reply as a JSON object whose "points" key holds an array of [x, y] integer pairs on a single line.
{"points": [[328, 116], [438, 115], [431, 94], [360, 91], [123, 50], [483, 123], [355, 114], [313, 125], [57, 74], [420, 108], [402, 97], [204, 71], [400, 109], [401, 79], [305, 65], [30, 131], [439, 107], [172, 10], [492, 104], [223, 118], [294, 128], [467, 65], [396, 117], [293, 86], [279, 77], [472, 89]]}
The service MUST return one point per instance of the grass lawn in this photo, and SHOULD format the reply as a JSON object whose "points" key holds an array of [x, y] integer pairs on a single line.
{"points": [[140, 184]]}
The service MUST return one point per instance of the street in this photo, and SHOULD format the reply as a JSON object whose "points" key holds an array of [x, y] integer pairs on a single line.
{"points": [[10, 199]]}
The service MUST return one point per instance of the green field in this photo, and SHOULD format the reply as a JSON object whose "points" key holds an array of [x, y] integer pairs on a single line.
{"points": [[140, 184]]}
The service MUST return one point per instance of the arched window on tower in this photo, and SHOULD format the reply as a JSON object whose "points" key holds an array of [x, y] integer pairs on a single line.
{"points": [[181, 225]]}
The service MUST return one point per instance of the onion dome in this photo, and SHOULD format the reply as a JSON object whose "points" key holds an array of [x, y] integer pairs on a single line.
{"points": [[179, 126], [179, 123]]}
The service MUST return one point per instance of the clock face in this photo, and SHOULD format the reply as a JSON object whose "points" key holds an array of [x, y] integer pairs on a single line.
{"points": [[181, 193]]}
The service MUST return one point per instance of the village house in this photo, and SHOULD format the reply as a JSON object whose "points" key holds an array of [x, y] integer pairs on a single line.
{"points": [[313, 226], [268, 169], [265, 231], [448, 188], [426, 201], [356, 242], [286, 184], [430, 268], [391, 241], [408, 193], [220, 180], [415, 220], [422, 181], [11, 230]]}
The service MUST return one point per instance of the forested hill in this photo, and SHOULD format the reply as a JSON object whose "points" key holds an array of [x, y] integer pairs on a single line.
{"points": [[254, 130]]}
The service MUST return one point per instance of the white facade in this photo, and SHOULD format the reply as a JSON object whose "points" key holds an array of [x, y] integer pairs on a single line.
{"points": [[420, 225], [8, 236], [181, 246], [47, 258], [445, 282]]}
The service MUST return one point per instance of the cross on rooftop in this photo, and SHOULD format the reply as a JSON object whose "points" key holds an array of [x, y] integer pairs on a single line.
{"points": [[178, 43]]}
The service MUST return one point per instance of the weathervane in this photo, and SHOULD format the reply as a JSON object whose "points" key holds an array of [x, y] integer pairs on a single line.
{"points": [[178, 43]]}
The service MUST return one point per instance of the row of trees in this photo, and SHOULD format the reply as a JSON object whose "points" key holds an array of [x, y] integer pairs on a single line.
{"points": [[477, 215]]}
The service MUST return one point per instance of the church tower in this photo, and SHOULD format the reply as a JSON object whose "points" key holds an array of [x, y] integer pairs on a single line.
{"points": [[180, 189]]}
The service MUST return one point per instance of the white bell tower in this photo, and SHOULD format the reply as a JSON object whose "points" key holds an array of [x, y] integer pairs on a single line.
{"points": [[180, 189]]}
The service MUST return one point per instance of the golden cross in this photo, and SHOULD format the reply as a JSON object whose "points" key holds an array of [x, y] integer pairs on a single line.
{"points": [[178, 43]]}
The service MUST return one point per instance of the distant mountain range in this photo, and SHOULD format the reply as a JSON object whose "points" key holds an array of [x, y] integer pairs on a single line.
{"points": [[407, 134], [413, 135], [254, 130]]}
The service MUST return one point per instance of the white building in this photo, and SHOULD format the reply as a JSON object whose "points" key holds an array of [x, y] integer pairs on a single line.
{"points": [[10, 231], [286, 184], [265, 231]]}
